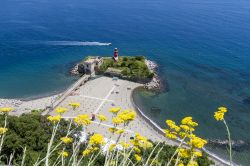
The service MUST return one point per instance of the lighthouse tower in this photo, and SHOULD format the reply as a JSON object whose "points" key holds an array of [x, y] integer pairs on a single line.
{"points": [[116, 54]]}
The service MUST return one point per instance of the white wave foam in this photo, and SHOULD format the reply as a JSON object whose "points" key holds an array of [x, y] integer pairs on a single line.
{"points": [[77, 43]]}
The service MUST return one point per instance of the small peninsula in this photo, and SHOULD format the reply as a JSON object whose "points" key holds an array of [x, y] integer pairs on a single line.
{"points": [[132, 68]]}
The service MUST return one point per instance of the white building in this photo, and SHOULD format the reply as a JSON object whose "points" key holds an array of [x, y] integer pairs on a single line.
{"points": [[91, 63]]}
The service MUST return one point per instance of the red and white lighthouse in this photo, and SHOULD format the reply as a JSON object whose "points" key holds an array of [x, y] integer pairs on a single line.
{"points": [[116, 54]]}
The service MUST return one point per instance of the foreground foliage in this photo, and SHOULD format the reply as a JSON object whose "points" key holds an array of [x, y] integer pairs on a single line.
{"points": [[32, 139]]}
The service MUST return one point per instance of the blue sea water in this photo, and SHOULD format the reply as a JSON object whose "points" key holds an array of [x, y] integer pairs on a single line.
{"points": [[202, 48]]}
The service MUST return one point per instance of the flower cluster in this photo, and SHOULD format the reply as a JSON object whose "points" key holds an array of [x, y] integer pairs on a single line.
{"points": [[54, 119], [61, 110], [196, 142], [64, 153], [173, 129], [74, 105], [101, 117], [114, 110], [6, 109], [140, 142], [219, 115], [96, 139], [66, 140], [127, 115], [3, 130], [82, 120], [124, 117], [89, 150], [117, 121]]}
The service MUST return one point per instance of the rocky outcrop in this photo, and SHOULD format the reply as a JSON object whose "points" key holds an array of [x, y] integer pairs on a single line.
{"points": [[155, 83], [74, 70], [237, 145]]}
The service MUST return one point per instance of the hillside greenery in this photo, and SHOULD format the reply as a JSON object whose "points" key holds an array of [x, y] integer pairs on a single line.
{"points": [[34, 131]]}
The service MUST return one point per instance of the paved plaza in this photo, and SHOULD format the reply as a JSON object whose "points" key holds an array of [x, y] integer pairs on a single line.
{"points": [[100, 94]]}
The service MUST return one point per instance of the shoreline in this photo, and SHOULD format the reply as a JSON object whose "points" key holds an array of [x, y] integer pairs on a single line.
{"points": [[212, 155], [44, 102]]}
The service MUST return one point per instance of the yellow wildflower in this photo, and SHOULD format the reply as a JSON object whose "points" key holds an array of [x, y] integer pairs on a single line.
{"points": [[96, 139], [86, 152], [82, 120], [64, 153], [113, 129], [127, 115], [137, 157], [125, 145], [111, 147], [189, 121], [171, 124], [197, 153], [141, 141], [222, 109], [101, 117], [54, 119], [184, 153], [192, 163], [114, 110], [120, 131], [61, 110], [197, 142], [137, 150], [6, 109], [146, 144], [186, 128], [66, 140], [95, 148], [74, 105], [3, 130], [219, 115], [117, 120], [170, 134], [180, 163]]}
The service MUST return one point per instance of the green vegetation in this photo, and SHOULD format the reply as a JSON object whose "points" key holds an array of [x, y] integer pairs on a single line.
{"points": [[32, 131], [130, 67], [32, 139]]}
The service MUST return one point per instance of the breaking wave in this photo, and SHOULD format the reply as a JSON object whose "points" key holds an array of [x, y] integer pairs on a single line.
{"points": [[77, 43]]}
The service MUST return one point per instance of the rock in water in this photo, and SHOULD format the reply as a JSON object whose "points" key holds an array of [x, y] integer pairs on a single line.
{"points": [[74, 70]]}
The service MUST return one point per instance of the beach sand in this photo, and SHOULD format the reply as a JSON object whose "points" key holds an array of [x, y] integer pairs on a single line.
{"points": [[97, 96], [23, 106]]}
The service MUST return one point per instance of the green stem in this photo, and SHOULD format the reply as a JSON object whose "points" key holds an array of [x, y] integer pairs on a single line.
{"points": [[177, 159], [5, 124], [229, 142], [50, 144], [182, 141]]}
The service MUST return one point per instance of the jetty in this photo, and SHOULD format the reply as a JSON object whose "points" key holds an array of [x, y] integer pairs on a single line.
{"points": [[66, 93]]}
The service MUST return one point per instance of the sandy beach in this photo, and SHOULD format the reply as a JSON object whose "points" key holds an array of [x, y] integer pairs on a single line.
{"points": [[23, 106], [97, 96]]}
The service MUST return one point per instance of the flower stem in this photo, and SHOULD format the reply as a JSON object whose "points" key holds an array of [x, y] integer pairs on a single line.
{"points": [[169, 162], [229, 142], [5, 124]]}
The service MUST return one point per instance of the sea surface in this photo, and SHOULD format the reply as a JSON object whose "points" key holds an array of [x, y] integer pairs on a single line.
{"points": [[202, 48]]}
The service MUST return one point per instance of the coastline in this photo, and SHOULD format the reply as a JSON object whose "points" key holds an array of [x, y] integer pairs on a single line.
{"points": [[214, 157], [44, 102]]}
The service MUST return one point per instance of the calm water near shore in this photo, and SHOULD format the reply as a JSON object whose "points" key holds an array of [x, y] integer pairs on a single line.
{"points": [[202, 48]]}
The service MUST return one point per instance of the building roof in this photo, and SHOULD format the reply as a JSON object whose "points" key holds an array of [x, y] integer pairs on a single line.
{"points": [[93, 60]]}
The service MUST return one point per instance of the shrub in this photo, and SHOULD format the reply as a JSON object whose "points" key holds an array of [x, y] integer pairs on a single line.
{"points": [[140, 58], [125, 59]]}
